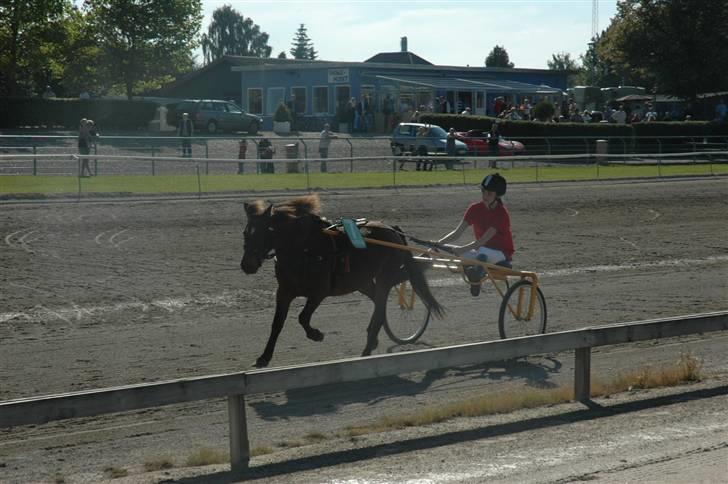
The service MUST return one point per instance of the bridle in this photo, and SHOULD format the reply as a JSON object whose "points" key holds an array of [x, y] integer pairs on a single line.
{"points": [[255, 252]]}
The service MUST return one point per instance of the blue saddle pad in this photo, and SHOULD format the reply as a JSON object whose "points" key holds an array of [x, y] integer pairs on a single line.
{"points": [[352, 231]]}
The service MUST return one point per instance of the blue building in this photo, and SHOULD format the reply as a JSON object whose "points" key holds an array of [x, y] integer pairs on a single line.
{"points": [[401, 82]]}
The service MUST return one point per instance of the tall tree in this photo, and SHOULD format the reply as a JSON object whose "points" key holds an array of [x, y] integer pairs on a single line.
{"points": [[26, 27], [498, 57], [145, 43], [229, 33], [596, 71], [562, 61], [679, 46], [302, 46]]}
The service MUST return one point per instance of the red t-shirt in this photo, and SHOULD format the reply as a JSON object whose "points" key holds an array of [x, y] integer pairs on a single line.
{"points": [[482, 218]]}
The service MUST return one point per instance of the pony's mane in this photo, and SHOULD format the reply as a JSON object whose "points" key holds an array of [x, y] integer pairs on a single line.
{"points": [[304, 205]]}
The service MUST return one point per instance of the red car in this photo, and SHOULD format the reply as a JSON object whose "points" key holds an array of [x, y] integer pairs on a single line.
{"points": [[477, 143]]}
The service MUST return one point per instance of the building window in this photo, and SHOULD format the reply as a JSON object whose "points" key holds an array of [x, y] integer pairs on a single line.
{"points": [[276, 96], [255, 101], [320, 99], [299, 99]]}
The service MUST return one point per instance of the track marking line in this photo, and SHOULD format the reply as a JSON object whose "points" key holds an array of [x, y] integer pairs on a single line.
{"points": [[111, 239], [97, 239], [629, 242], [118, 244], [574, 212], [655, 214]]}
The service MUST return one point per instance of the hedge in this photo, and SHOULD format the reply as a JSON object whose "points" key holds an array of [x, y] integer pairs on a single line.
{"points": [[66, 113], [526, 129]]}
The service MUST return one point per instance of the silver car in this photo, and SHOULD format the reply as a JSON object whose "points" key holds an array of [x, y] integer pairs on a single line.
{"points": [[216, 116], [431, 139]]}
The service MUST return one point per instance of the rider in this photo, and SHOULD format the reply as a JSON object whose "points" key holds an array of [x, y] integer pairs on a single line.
{"points": [[492, 229]]}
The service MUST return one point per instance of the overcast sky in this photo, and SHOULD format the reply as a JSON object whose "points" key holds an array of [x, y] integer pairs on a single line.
{"points": [[459, 33]]}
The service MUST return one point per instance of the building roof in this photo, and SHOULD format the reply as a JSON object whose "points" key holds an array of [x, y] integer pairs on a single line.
{"points": [[398, 58], [456, 83]]}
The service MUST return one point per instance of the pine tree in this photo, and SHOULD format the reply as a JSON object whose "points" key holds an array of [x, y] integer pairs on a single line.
{"points": [[302, 47]]}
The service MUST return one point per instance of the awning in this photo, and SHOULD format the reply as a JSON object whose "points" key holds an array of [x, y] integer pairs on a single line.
{"points": [[460, 84], [634, 97]]}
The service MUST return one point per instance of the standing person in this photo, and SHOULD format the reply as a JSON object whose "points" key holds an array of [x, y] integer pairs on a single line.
{"points": [[491, 224], [388, 110], [620, 116], [84, 146], [721, 111], [650, 115], [450, 148], [185, 130], [493, 140], [324, 142]]}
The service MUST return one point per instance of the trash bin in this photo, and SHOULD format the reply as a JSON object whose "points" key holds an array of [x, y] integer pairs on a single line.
{"points": [[601, 151], [292, 153], [242, 151], [265, 152]]}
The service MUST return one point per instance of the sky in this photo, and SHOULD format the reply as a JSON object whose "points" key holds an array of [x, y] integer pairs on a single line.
{"points": [[456, 33]]}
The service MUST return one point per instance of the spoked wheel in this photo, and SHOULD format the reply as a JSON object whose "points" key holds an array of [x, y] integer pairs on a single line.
{"points": [[513, 320], [407, 315]]}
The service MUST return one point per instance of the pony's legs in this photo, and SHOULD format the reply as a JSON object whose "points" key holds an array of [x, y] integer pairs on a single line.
{"points": [[283, 302], [381, 292], [304, 318]]}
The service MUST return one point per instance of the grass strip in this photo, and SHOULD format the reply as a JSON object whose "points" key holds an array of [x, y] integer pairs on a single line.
{"points": [[22, 185]]}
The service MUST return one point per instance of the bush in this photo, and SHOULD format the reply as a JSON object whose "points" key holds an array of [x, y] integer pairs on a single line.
{"points": [[544, 111], [66, 113], [282, 114]]}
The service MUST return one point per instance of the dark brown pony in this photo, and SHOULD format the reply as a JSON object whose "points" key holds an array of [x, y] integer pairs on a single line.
{"points": [[312, 264]]}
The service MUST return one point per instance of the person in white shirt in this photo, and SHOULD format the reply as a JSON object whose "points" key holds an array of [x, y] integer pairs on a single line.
{"points": [[620, 116]]}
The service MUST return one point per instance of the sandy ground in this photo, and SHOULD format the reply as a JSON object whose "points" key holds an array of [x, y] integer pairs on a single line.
{"points": [[103, 293]]}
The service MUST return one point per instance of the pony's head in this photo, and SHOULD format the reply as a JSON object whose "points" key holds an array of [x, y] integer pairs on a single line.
{"points": [[257, 236], [263, 222]]}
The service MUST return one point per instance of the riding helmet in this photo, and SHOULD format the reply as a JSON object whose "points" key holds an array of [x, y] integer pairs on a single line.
{"points": [[494, 183]]}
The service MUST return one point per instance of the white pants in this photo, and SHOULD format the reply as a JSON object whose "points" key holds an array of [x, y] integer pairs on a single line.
{"points": [[494, 256]]}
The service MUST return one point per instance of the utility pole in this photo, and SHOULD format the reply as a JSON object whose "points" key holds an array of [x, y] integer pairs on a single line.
{"points": [[595, 18]]}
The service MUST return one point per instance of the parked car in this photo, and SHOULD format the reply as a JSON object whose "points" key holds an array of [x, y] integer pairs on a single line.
{"points": [[216, 116], [432, 140], [477, 143]]}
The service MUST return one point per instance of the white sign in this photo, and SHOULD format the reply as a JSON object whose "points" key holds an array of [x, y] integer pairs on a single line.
{"points": [[338, 75]]}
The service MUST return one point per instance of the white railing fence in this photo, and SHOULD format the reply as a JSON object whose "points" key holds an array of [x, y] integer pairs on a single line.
{"points": [[235, 386]]}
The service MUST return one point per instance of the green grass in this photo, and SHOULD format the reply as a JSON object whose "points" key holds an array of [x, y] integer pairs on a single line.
{"points": [[54, 185]]}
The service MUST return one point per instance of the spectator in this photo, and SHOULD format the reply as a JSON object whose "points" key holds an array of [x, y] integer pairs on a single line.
{"points": [[388, 111], [721, 111], [324, 142], [586, 117], [48, 93], [493, 142], [185, 130], [620, 116], [84, 95], [526, 109], [650, 115], [265, 152], [466, 111], [84, 146]]}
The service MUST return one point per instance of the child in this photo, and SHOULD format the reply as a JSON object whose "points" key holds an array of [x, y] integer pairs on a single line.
{"points": [[492, 229]]}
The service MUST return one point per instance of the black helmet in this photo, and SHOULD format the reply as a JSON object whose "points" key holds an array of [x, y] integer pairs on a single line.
{"points": [[494, 183]]}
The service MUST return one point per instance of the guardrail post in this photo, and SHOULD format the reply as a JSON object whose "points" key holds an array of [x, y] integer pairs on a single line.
{"points": [[96, 160], [35, 162], [239, 444], [582, 374], [351, 155]]}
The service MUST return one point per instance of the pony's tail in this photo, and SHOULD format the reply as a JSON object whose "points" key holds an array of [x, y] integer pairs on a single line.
{"points": [[419, 284]]}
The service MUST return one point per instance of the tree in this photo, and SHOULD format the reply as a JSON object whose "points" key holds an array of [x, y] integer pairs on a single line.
{"points": [[143, 44], [678, 46], [26, 28], [302, 46], [229, 33], [595, 71], [498, 57], [562, 61], [282, 55]]}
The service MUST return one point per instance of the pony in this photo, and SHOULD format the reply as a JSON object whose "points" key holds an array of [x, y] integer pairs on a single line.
{"points": [[314, 264]]}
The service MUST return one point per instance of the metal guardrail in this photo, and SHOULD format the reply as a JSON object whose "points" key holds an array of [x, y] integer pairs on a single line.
{"points": [[235, 386]]}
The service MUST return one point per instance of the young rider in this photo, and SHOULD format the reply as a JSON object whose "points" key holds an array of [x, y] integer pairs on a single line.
{"points": [[491, 226]]}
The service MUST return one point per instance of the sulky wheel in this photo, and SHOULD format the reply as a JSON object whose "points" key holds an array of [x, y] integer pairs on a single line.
{"points": [[513, 320], [407, 315]]}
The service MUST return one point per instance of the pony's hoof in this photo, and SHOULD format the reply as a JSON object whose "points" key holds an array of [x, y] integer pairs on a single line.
{"points": [[261, 362], [315, 335]]}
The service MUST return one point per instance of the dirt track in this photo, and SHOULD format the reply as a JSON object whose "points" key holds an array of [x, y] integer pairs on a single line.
{"points": [[98, 294]]}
